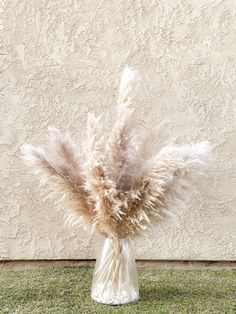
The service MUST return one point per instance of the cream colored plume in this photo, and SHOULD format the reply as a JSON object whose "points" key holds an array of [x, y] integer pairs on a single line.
{"points": [[126, 183], [122, 144]]}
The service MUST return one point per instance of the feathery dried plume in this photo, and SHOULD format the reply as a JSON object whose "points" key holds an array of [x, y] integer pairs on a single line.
{"points": [[100, 187], [59, 170], [153, 141], [122, 145], [129, 83], [127, 184]]}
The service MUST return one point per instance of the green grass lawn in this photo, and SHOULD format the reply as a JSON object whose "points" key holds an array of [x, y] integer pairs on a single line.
{"points": [[67, 290]]}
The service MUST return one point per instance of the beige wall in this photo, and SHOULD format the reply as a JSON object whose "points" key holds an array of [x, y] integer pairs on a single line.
{"points": [[61, 59]]}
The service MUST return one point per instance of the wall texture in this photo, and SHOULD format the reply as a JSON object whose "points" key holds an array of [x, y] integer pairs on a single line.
{"points": [[61, 59]]}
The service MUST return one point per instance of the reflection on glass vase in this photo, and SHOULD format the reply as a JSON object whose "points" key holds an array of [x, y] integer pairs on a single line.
{"points": [[115, 279]]}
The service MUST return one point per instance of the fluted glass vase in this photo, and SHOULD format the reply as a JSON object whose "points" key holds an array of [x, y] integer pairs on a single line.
{"points": [[115, 279]]}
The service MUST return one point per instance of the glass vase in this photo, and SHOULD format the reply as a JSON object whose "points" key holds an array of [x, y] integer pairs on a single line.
{"points": [[115, 279]]}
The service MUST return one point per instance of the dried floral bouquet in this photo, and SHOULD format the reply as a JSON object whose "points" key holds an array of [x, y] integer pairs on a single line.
{"points": [[118, 185]]}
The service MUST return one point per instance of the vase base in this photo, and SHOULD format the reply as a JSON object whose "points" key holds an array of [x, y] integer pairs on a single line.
{"points": [[112, 298], [111, 301]]}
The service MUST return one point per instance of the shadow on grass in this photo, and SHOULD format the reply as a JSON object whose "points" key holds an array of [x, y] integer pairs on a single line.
{"points": [[173, 294]]}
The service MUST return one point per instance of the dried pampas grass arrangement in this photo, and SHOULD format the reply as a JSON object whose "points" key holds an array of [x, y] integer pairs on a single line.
{"points": [[120, 188]]}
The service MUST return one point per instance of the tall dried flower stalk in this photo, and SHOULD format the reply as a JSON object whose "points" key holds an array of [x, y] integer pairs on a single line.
{"points": [[123, 184]]}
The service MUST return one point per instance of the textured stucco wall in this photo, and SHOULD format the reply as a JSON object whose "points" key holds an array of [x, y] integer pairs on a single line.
{"points": [[61, 59]]}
